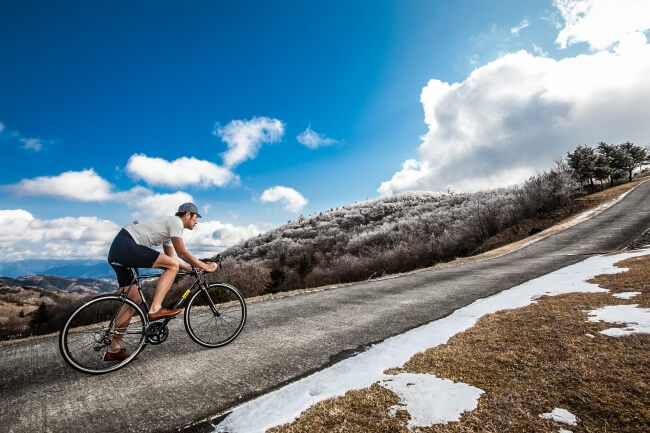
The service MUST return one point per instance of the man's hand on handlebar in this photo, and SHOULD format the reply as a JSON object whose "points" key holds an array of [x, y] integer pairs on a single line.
{"points": [[211, 267]]}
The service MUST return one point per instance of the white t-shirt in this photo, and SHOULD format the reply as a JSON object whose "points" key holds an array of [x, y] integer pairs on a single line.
{"points": [[156, 231]]}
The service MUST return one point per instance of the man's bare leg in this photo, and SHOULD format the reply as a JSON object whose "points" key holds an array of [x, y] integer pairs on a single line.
{"points": [[124, 317], [171, 267]]}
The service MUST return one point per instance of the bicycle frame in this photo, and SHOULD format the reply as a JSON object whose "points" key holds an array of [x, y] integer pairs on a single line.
{"points": [[199, 280]]}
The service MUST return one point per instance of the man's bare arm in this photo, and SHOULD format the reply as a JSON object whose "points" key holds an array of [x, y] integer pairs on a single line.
{"points": [[169, 250], [182, 252]]}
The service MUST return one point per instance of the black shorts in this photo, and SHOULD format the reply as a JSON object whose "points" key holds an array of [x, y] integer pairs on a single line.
{"points": [[127, 253]]}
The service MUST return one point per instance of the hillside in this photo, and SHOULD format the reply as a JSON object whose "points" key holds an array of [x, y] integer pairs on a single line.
{"points": [[19, 305], [21, 298], [394, 234], [404, 232], [88, 286]]}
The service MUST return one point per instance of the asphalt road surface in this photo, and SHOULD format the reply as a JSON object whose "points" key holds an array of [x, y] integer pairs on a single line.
{"points": [[179, 383]]}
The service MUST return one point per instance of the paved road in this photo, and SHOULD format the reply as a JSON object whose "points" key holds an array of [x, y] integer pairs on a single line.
{"points": [[178, 383]]}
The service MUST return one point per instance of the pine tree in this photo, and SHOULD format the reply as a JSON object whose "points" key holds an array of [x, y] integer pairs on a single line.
{"points": [[277, 276], [635, 156], [583, 163], [39, 317]]}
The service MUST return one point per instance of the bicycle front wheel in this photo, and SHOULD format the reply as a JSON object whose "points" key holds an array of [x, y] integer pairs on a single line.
{"points": [[91, 329], [215, 315]]}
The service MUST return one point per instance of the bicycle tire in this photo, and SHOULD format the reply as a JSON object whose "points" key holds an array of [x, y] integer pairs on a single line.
{"points": [[219, 327], [87, 333]]}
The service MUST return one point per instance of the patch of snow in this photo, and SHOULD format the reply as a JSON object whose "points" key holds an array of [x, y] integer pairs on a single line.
{"points": [[626, 295], [564, 431], [561, 415], [361, 371], [637, 320], [590, 335], [431, 400]]}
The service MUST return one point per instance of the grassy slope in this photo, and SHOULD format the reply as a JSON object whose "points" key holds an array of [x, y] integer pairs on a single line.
{"points": [[14, 299]]}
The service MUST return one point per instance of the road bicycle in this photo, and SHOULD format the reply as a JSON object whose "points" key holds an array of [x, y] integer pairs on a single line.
{"points": [[214, 316]]}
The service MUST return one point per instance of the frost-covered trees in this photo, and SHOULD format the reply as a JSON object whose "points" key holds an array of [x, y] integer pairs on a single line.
{"points": [[412, 230], [397, 233]]}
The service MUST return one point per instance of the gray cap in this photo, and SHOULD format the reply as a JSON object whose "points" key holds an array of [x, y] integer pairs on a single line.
{"points": [[189, 207]]}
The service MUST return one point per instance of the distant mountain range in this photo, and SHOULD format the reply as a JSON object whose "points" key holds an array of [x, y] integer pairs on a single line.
{"points": [[86, 286], [97, 269]]}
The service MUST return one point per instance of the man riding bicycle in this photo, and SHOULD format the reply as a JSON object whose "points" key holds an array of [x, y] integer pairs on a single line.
{"points": [[131, 248]]}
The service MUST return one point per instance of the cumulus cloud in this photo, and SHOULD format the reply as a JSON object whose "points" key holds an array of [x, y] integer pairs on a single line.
{"points": [[409, 178], [23, 236], [522, 25], [245, 137], [513, 116], [291, 199], [180, 172], [601, 23], [88, 186], [314, 140], [210, 237], [145, 203], [85, 185]]}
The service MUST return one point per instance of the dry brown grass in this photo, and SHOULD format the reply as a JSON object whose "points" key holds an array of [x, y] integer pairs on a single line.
{"points": [[528, 361], [9, 315]]}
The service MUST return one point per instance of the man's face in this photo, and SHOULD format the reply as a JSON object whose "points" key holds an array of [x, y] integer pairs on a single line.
{"points": [[190, 220]]}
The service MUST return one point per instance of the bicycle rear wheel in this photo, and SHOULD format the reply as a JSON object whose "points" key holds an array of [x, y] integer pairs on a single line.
{"points": [[89, 331], [215, 316]]}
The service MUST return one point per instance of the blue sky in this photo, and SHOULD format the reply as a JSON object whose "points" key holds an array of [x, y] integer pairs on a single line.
{"points": [[88, 88]]}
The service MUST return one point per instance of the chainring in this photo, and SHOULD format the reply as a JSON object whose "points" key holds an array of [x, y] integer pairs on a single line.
{"points": [[157, 333]]}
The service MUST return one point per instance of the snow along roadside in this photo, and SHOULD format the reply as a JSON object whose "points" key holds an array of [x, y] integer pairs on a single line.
{"points": [[285, 404]]}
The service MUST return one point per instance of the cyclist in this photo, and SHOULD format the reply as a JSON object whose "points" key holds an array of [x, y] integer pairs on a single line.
{"points": [[131, 248]]}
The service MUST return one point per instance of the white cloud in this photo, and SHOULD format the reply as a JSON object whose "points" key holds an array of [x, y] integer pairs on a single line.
{"points": [[24, 237], [601, 23], [539, 51], [180, 172], [291, 199], [210, 237], [515, 115], [35, 144], [32, 143], [245, 137], [409, 178], [85, 185], [88, 186], [146, 204], [522, 25], [314, 140]]}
